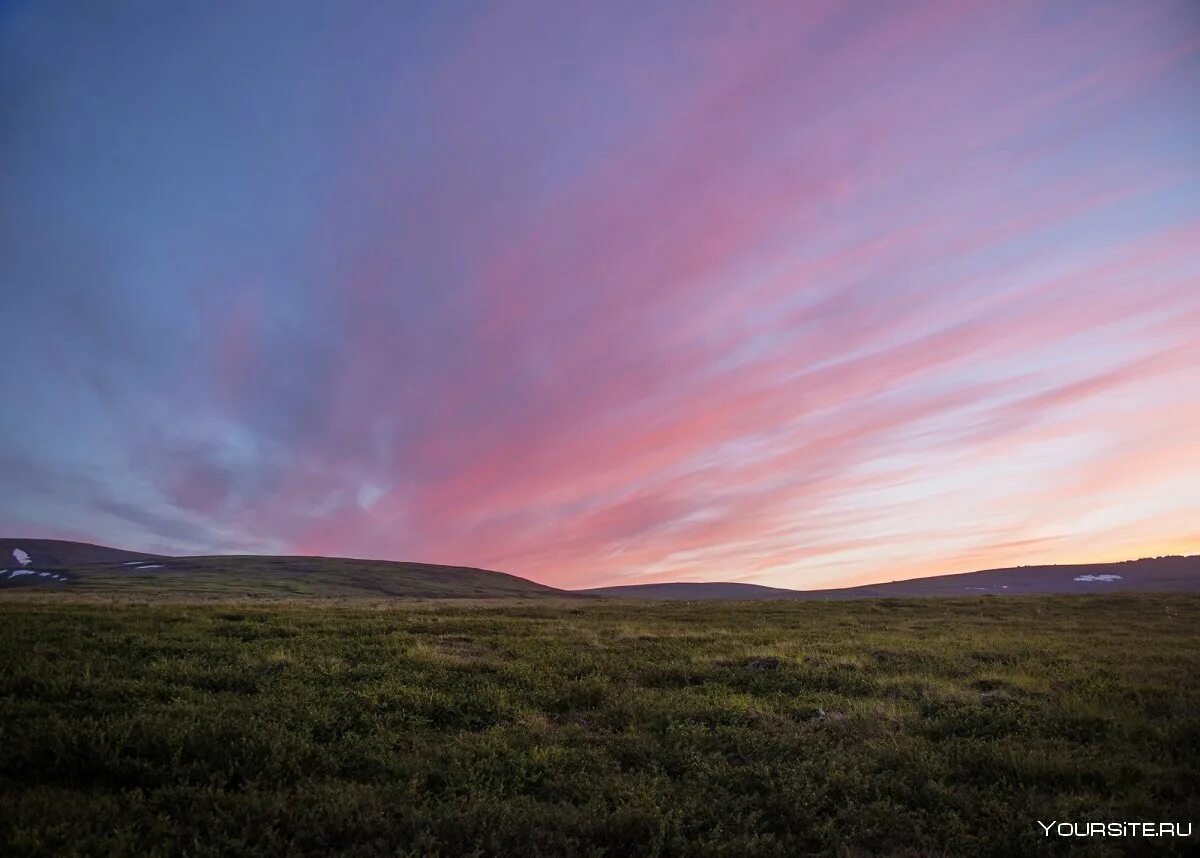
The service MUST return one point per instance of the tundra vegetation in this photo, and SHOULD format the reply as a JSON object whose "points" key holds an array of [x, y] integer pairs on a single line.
{"points": [[590, 727]]}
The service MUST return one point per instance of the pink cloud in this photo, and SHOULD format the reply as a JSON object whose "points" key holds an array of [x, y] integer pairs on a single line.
{"points": [[813, 262]]}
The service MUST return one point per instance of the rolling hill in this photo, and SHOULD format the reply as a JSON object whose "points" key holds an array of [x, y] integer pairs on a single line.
{"points": [[84, 568], [715, 591], [58, 553], [1153, 574]]}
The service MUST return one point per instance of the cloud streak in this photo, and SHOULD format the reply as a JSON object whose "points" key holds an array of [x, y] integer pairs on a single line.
{"points": [[811, 295]]}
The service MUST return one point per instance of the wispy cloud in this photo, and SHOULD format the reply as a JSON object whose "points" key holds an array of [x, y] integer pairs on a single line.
{"points": [[806, 294]]}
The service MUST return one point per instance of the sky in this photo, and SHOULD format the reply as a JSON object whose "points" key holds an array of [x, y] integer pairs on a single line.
{"points": [[804, 294]]}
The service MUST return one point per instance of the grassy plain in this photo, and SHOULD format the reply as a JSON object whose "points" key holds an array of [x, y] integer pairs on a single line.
{"points": [[919, 727]]}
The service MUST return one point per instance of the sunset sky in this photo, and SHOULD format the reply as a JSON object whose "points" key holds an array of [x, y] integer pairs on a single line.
{"points": [[800, 294]]}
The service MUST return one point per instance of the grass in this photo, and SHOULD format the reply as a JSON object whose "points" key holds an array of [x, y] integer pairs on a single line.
{"points": [[934, 727]]}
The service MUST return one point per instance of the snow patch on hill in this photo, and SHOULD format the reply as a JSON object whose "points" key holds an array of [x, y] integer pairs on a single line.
{"points": [[17, 573], [1105, 578], [21, 557]]}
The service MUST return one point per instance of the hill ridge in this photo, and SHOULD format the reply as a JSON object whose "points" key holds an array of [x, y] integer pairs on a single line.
{"points": [[1169, 573], [89, 568]]}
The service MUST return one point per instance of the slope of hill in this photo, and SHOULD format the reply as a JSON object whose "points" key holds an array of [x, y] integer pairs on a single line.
{"points": [[83, 568], [1152, 574], [93, 569], [1149, 574], [47, 553], [693, 592]]}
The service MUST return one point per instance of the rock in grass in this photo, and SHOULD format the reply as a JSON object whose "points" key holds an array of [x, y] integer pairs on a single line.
{"points": [[763, 662]]}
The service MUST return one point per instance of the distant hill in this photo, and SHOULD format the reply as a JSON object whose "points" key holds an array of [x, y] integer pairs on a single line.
{"points": [[695, 592], [84, 568], [1153, 574], [95, 569], [58, 552]]}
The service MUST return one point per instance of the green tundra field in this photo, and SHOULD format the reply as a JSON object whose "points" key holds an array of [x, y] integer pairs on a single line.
{"points": [[920, 727]]}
